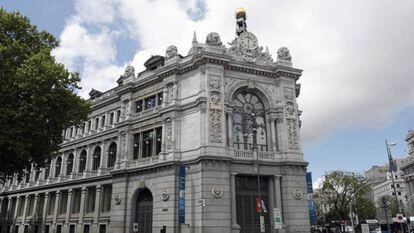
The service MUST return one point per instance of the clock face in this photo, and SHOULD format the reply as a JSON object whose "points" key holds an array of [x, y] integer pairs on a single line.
{"points": [[248, 40]]}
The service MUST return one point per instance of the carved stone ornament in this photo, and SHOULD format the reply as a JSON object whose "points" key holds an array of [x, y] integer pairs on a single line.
{"points": [[297, 194], [169, 133], [213, 39], [171, 52], [129, 72], [288, 93], [215, 84], [292, 134], [215, 125], [165, 195], [215, 101], [283, 54], [245, 48], [217, 191], [117, 199], [123, 143]]}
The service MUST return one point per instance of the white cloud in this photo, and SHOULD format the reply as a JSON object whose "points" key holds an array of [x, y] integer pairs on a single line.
{"points": [[356, 55]]}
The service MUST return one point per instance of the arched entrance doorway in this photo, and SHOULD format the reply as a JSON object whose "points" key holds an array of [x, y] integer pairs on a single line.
{"points": [[143, 210]]}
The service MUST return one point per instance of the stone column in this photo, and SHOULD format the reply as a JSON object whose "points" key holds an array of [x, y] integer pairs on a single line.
{"points": [[68, 208], [281, 134], [16, 211], [230, 129], [278, 200], [118, 152], [97, 208], [56, 210], [9, 206], [35, 206], [89, 159], [235, 228], [272, 199], [63, 165], [82, 207], [273, 134], [45, 207]]}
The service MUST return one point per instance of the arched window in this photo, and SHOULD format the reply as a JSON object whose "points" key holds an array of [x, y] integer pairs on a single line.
{"points": [[58, 166], [96, 158], [248, 120], [82, 161], [112, 154], [69, 165], [47, 169]]}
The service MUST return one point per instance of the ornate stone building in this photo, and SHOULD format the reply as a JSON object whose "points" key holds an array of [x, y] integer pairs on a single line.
{"points": [[408, 170], [189, 143]]}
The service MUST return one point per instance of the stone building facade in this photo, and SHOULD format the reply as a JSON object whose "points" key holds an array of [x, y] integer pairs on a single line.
{"points": [[408, 170], [227, 115]]}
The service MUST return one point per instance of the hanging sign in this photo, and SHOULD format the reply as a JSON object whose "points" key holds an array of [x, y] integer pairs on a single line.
{"points": [[277, 218], [181, 191]]}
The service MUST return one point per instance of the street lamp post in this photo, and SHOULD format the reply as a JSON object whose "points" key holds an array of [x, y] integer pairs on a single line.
{"points": [[255, 155], [393, 168]]}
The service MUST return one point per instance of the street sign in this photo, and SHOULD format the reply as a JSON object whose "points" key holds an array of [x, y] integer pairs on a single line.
{"points": [[400, 218], [277, 218]]}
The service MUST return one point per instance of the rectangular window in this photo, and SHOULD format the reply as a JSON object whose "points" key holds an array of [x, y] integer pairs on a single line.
{"points": [[30, 205], [86, 228], [118, 116], [22, 201], [147, 147], [149, 102], [72, 228], [158, 140], [136, 145], [71, 132], [111, 118], [59, 229], [47, 228], [103, 121], [77, 193], [90, 200], [63, 202], [90, 125], [159, 99], [138, 106], [96, 123], [51, 206], [106, 198], [102, 228], [40, 205]]}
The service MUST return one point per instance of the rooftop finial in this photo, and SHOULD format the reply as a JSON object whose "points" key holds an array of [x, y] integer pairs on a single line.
{"points": [[240, 21], [194, 38]]}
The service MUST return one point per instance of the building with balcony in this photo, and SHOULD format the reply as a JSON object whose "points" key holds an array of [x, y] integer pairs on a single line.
{"points": [[189, 143]]}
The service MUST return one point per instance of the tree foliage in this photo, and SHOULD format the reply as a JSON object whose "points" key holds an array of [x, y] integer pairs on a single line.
{"points": [[389, 204], [37, 96], [339, 190]]}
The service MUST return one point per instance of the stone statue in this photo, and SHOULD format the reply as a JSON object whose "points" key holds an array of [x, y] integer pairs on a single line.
{"points": [[213, 38], [283, 54], [129, 72], [241, 25], [171, 52]]}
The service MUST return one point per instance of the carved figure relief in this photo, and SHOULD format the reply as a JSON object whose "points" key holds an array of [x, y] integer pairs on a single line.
{"points": [[288, 93], [215, 84], [123, 143], [217, 191], [215, 110], [292, 134], [213, 38], [169, 133]]}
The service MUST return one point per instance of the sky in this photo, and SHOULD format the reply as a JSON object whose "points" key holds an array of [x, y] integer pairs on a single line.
{"points": [[357, 57]]}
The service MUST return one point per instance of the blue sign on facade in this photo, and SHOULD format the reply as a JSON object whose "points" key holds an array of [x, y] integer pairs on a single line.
{"points": [[312, 212], [181, 192]]}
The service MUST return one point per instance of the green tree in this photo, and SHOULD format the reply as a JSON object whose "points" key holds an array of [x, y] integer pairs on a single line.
{"points": [[338, 191], [37, 96], [389, 204]]}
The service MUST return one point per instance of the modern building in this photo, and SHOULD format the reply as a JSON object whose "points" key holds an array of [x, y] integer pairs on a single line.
{"points": [[408, 170], [190, 143]]}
